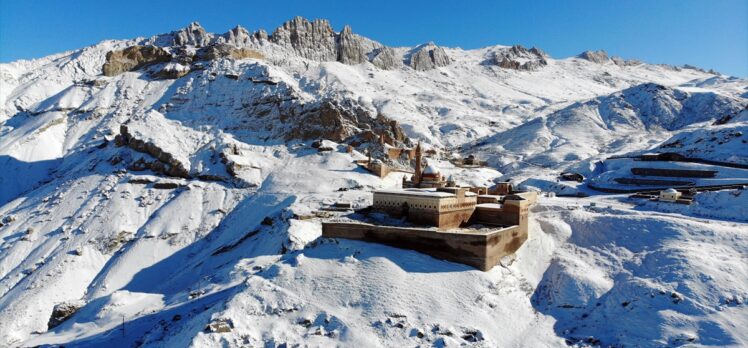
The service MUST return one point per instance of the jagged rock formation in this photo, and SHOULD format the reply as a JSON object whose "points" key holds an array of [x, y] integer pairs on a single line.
{"points": [[193, 35], [133, 58], [520, 58], [428, 56], [312, 40], [238, 36], [339, 121], [350, 48], [165, 164], [598, 57]]}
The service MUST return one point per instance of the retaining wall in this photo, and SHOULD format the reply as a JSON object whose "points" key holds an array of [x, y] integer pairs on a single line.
{"points": [[482, 250]]}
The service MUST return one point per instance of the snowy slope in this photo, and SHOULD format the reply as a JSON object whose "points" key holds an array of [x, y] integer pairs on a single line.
{"points": [[97, 217]]}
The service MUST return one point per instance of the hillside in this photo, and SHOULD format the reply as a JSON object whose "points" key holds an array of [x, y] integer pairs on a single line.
{"points": [[169, 183]]}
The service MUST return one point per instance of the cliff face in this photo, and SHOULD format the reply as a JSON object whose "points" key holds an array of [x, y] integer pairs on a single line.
{"points": [[428, 56], [313, 40], [133, 58]]}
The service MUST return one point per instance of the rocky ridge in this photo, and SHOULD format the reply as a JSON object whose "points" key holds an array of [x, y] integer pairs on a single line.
{"points": [[518, 57]]}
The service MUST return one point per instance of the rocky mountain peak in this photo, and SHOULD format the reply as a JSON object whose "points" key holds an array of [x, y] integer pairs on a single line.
{"points": [[238, 36], [428, 56], [599, 56], [192, 35], [312, 40]]}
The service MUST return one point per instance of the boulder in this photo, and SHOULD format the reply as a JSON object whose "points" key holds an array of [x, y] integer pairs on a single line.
{"points": [[428, 56], [63, 311], [133, 58]]}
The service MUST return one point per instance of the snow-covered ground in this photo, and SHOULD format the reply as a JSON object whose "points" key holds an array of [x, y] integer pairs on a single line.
{"points": [[155, 260]]}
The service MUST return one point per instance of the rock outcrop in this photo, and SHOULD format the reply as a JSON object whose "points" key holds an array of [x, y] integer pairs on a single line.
{"points": [[428, 56], [226, 50], [172, 71], [192, 35], [625, 62], [350, 48], [520, 58], [312, 40], [598, 57], [165, 162], [238, 36], [384, 58], [133, 58], [339, 121], [63, 311]]}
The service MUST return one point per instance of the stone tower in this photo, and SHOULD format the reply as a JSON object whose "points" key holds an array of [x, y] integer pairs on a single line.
{"points": [[417, 175]]}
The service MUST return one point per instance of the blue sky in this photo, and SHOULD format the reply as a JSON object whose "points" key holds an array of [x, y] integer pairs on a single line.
{"points": [[708, 34]]}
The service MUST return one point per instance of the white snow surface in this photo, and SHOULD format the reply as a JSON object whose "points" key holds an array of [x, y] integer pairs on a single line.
{"points": [[155, 266]]}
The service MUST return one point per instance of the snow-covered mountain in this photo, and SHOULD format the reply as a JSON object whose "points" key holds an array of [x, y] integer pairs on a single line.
{"points": [[164, 191]]}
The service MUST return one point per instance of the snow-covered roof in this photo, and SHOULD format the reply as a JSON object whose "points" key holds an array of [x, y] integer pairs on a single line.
{"points": [[417, 192], [489, 206], [670, 190]]}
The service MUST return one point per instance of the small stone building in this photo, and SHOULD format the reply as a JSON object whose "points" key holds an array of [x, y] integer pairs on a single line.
{"points": [[669, 195]]}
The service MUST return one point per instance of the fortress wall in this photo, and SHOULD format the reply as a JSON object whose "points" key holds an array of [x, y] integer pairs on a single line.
{"points": [[480, 250]]}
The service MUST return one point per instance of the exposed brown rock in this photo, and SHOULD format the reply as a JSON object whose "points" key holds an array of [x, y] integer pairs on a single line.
{"points": [[225, 50], [133, 58], [62, 312], [172, 71]]}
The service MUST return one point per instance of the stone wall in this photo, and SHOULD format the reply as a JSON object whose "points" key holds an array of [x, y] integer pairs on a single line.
{"points": [[442, 212], [482, 250], [510, 213], [675, 173]]}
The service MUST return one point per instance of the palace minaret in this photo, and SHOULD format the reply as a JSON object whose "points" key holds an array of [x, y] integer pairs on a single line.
{"points": [[417, 178]]}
